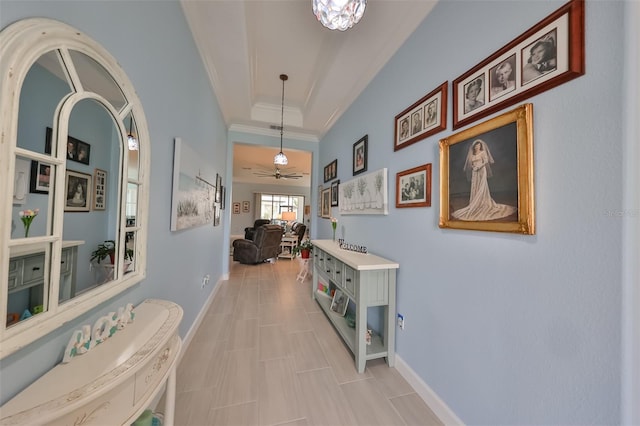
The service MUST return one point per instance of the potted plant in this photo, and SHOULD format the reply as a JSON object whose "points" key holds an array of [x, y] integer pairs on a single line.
{"points": [[304, 248], [108, 248]]}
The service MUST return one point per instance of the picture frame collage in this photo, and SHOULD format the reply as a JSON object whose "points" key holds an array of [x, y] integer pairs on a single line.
{"points": [[546, 55]]}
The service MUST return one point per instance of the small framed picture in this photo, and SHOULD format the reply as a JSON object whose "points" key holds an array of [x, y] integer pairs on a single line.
{"points": [[320, 189], [40, 177], [76, 149], [413, 187], [331, 170], [236, 208], [334, 192], [339, 302], [78, 187], [99, 189], [427, 116], [246, 207], [360, 155], [326, 203]]}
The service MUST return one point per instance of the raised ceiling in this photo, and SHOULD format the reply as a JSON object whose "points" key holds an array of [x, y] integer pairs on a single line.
{"points": [[246, 45]]}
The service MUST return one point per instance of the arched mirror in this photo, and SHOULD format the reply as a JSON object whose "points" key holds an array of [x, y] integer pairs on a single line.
{"points": [[73, 166]]}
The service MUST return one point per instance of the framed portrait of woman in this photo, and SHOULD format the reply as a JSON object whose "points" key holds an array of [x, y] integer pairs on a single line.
{"points": [[79, 190], [486, 175]]}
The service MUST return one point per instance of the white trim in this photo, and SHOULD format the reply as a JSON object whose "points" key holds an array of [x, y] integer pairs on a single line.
{"points": [[437, 405], [630, 371], [243, 128]]}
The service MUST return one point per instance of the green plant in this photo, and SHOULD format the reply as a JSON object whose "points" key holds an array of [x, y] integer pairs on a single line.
{"points": [[304, 245], [108, 248]]}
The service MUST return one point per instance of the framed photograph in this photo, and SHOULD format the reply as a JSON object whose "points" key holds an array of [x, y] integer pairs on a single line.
{"points": [[339, 302], [486, 175], [193, 191], [365, 194], [326, 203], [360, 155], [246, 207], [413, 187], [331, 171], [76, 149], [99, 189], [236, 208], [40, 177], [334, 193], [548, 54], [320, 189], [426, 117], [79, 188]]}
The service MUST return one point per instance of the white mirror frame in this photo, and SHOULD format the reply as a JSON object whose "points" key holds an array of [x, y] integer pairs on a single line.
{"points": [[21, 45]]}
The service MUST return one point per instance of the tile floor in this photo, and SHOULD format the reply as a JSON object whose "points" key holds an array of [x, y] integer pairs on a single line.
{"points": [[265, 354]]}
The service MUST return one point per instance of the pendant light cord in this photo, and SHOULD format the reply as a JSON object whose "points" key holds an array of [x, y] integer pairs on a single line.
{"points": [[284, 78]]}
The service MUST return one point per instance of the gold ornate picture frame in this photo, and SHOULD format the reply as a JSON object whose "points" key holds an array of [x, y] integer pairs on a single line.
{"points": [[486, 175]]}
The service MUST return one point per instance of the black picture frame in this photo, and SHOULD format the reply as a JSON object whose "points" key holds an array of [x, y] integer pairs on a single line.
{"points": [[334, 192], [77, 150], [80, 183], [331, 171], [360, 154], [40, 177]]}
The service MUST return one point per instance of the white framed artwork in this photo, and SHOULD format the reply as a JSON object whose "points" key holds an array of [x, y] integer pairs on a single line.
{"points": [[365, 194]]}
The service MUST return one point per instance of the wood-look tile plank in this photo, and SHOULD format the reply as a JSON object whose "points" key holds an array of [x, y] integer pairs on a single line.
{"points": [[370, 407], [390, 382], [306, 351], [239, 382], [274, 342], [192, 408], [414, 411], [234, 415], [243, 334], [278, 392], [323, 400]]}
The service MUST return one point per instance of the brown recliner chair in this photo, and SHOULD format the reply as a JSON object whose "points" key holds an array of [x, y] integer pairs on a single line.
{"points": [[249, 232], [265, 245], [299, 229]]}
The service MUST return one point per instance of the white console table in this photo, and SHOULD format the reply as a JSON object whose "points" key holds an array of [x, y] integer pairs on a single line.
{"points": [[114, 382], [368, 280]]}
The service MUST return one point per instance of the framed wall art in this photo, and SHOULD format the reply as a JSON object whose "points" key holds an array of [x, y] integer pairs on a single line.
{"points": [[548, 54], [326, 203], [486, 175], [331, 170], [360, 155], [236, 208], [193, 191], [78, 195], [246, 207], [334, 193], [76, 149], [99, 189], [365, 194], [413, 187], [218, 185], [320, 189], [424, 118], [40, 177]]}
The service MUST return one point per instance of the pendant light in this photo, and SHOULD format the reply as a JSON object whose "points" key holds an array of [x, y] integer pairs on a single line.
{"points": [[131, 140], [339, 14], [280, 159]]}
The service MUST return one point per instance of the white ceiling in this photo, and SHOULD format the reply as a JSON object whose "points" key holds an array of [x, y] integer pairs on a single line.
{"points": [[246, 45]]}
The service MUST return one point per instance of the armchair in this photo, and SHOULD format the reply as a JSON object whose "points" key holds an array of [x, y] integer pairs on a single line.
{"points": [[250, 231], [265, 245], [299, 229]]}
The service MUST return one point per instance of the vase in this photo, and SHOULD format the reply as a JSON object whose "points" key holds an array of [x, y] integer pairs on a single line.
{"points": [[334, 235], [26, 229]]}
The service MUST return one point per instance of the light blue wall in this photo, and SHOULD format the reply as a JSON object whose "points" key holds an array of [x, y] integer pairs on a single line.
{"points": [[506, 329], [153, 44]]}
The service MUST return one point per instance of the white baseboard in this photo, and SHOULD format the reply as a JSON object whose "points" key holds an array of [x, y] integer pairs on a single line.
{"points": [[427, 394], [194, 327]]}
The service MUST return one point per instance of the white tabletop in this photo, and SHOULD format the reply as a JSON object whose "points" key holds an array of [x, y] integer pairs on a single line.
{"points": [[358, 261]]}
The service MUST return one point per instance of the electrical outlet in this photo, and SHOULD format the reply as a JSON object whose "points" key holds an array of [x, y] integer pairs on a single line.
{"points": [[401, 321]]}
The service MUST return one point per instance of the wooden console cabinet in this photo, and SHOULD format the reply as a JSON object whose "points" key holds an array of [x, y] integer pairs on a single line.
{"points": [[114, 382], [369, 281]]}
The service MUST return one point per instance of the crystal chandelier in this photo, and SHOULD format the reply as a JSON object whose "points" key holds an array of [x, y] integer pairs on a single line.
{"points": [[280, 159], [339, 14]]}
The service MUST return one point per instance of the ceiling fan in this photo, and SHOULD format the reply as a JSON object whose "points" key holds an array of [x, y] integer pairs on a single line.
{"points": [[278, 174]]}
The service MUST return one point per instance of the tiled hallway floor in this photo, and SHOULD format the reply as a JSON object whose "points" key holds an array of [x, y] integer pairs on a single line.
{"points": [[265, 354]]}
